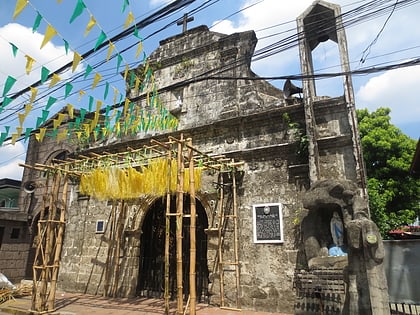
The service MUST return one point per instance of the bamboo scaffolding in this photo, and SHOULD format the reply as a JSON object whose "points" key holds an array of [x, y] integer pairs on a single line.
{"points": [[167, 231], [51, 229], [179, 219], [193, 212]]}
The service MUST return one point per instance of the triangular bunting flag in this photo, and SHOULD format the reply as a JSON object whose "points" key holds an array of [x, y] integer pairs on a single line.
{"points": [[91, 23], [66, 46], [10, 81], [80, 6], [125, 4], [44, 74], [14, 49], [139, 49], [34, 92], [81, 93], [110, 50], [87, 71], [37, 21], [96, 80], [76, 60], [54, 80], [29, 63], [106, 90], [68, 89], [28, 108], [90, 102], [50, 102], [28, 133], [100, 40], [21, 117], [119, 60], [50, 32], [20, 5], [70, 109], [129, 19]]}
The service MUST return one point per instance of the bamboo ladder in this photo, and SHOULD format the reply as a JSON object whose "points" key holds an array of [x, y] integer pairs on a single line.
{"points": [[224, 215]]}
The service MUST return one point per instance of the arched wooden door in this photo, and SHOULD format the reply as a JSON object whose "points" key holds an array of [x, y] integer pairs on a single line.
{"points": [[152, 252]]}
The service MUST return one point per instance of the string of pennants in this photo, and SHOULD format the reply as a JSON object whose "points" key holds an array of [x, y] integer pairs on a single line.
{"points": [[99, 120]]}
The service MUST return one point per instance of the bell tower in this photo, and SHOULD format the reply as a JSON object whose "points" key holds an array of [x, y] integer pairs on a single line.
{"points": [[319, 23]]}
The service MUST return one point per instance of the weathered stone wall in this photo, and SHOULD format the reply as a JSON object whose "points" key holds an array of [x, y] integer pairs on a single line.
{"points": [[243, 119]]}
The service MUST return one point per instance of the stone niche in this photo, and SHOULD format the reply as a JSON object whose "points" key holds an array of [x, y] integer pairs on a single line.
{"points": [[344, 254]]}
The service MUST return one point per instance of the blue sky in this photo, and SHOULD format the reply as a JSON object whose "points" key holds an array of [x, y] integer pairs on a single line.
{"points": [[273, 20]]}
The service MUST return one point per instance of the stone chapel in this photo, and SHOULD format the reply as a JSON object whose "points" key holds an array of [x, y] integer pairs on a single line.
{"points": [[301, 166]]}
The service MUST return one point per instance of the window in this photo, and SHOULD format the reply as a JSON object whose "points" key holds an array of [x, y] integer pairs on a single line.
{"points": [[15, 233], [100, 226]]}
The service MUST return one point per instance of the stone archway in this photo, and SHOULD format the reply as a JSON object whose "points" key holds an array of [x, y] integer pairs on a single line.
{"points": [[150, 281]]}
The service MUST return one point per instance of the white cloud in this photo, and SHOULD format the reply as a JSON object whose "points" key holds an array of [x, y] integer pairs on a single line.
{"points": [[156, 3], [395, 89], [51, 56], [10, 157]]}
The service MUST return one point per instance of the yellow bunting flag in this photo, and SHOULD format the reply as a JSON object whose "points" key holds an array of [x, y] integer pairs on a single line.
{"points": [[40, 136], [54, 80], [126, 103], [60, 118], [14, 138], [29, 63], [110, 50], [129, 19], [76, 60], [55, 123], [137, 84], [96, 80], [70, 110], [139, 49], [50, 32], [21, 117], [34, 92], [28, 108], [81, 93], [91, 23], [115, 94], [20, 5], [126, 72]]}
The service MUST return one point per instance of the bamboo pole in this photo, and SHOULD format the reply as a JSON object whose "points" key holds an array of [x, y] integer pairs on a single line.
{"points": [[108, 274], [180, 210], [235, 235], [192, 231], [117, 249], [167, 231], [39, 254], [220, 249], [59, 244]]}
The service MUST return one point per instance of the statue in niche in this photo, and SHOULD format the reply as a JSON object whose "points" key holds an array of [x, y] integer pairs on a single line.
{"points": [[337, 234], [336, 206]]}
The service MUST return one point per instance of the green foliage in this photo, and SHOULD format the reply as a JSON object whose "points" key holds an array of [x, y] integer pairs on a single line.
{"points": [[393, 193]]}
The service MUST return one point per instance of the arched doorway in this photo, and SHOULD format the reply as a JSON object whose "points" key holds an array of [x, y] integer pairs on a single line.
{"points": [[152, 257]]}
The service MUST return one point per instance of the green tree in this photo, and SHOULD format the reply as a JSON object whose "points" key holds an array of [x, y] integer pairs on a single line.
{"points": [[393, 193]]}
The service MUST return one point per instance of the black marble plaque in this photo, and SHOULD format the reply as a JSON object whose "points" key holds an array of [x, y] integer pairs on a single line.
{"points": [[267, 223]]}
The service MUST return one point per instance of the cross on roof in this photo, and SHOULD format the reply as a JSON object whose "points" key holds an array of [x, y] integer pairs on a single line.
{"points": [[185, 19]]}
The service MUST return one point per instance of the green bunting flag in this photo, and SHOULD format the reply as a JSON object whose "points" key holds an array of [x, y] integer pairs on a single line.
{"points": [[66, 46], [45, 114], [80, 6], [106, 90], [51, 101], [6, 101], [90, 102], [28, 133], [44, 74], [14, 49], [119, 60], [68, 89], [125, 4], [37, 21], [100, 40], [10, 81], [88, 71], [82, 113]]}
